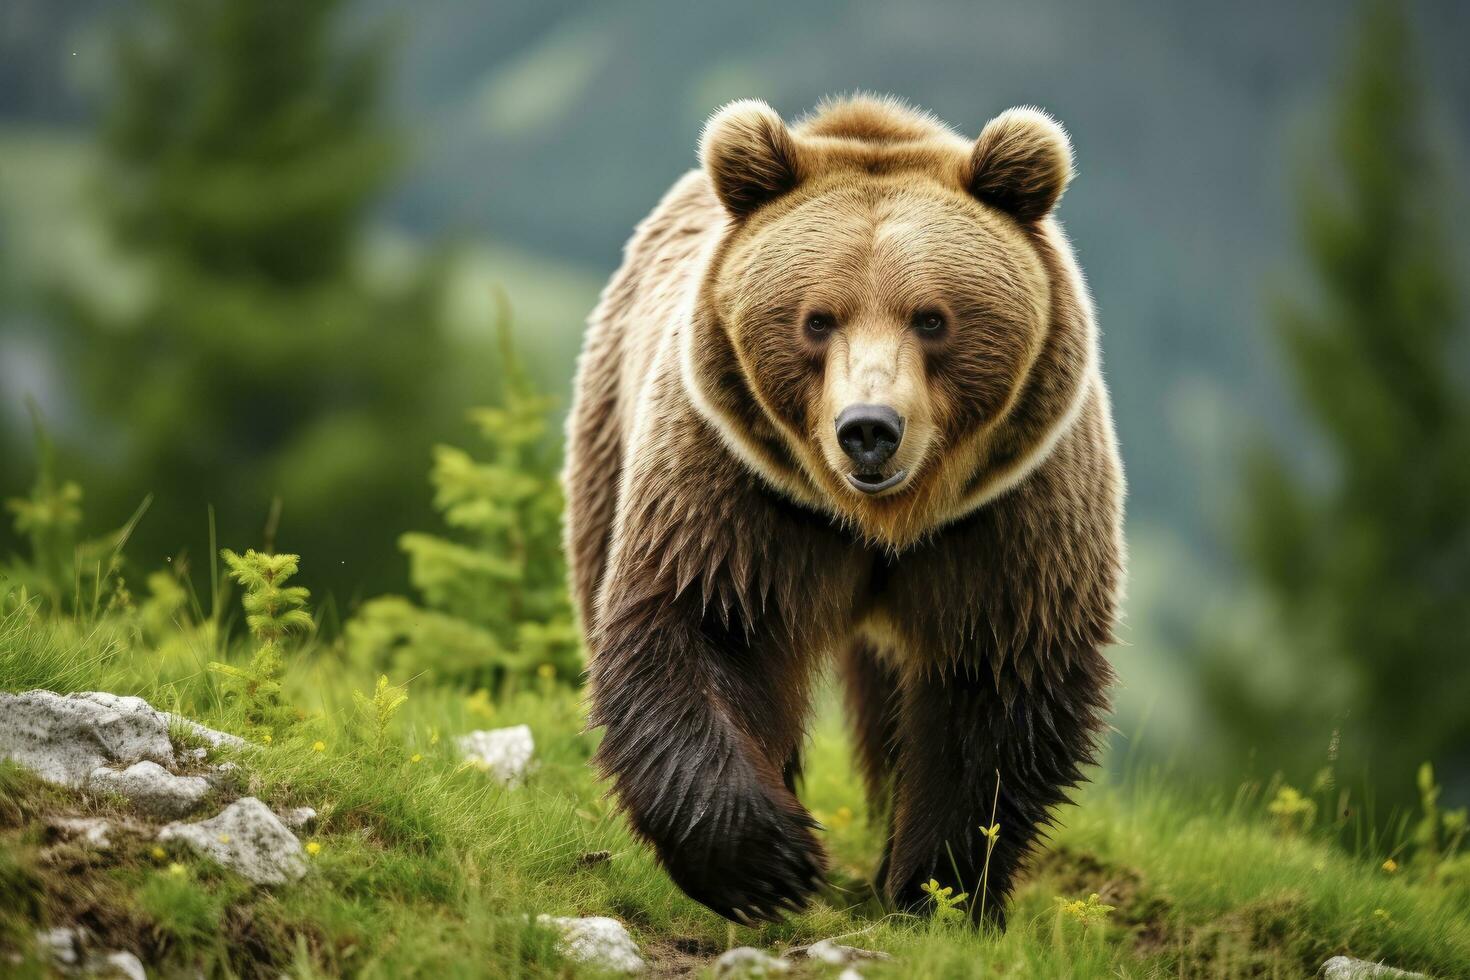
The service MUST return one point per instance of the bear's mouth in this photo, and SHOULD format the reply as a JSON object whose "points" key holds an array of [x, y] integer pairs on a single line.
{"points": [[875, 483]]}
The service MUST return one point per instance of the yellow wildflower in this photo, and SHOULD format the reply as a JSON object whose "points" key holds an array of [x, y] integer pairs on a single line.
{"points": [[159, 853], [546, 672], [319, 746], [313, 848], [1391, 866], [177, 870], [267, 738], [223, 838], [416, 757]]}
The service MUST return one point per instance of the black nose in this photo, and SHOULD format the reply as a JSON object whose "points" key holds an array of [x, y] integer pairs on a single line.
{"points": [[869, 434]]}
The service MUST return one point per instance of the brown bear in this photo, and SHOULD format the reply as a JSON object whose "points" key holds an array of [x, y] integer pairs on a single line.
{"points": [[843, 397]]}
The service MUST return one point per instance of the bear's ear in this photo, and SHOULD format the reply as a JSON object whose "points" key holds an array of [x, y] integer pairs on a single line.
{"points": [[750, 156], [1021, 163]]}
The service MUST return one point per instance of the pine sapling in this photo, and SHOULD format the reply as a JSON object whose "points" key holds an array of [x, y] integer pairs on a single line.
{"points": [[273, 610]]}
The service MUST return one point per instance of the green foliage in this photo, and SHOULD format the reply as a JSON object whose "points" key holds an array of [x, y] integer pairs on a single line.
{"points": [[273, 610], [945, 906], [1366, 568], [494, 594], [1439, 833], [262, 353], [377, 711]]}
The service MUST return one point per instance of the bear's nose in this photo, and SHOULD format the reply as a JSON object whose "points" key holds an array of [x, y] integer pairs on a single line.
{"points": [[869, 434]]}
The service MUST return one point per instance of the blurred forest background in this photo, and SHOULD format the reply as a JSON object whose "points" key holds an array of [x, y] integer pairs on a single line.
{"points": [[254, 257]]}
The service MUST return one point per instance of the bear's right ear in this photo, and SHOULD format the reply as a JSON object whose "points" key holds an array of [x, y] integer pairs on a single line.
{"points": [[750, 156], [1021, 163]]}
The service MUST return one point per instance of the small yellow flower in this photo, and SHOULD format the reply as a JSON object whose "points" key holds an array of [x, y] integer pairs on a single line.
{"points": [[319, 746], [159, 853], [1391, 866], [546, 672], [267, 738], [416, 757], [433, 736], [992, 832], [223, 838], [313, 848], [177, 870], [1380, 913]]}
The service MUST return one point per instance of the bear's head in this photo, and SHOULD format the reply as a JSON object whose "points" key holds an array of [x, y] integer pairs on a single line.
{"points": [[892, 327]]}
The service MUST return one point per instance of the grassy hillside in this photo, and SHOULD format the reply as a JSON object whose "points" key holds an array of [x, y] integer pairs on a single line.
{"points": [[422, 865]]}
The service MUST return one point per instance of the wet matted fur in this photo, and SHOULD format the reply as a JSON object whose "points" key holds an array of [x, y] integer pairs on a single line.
{"points": [[720, 550]]}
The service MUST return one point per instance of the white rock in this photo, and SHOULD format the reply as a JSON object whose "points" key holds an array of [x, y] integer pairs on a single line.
{"points": [[247, 837], [67, 951], [93, 830], [596, 940], [62, 739], [504, 753], [747, 961], [299, 817], [60, 945], [118, 964], [215, 739], [836, 954], [152, 788], [1347, 968]]}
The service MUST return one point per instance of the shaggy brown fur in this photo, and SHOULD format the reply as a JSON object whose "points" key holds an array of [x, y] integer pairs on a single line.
{"points": [[720, 547]]}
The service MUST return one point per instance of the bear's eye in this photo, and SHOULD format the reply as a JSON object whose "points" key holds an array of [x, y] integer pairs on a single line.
{"points": [[929, 322], [820, 324]]}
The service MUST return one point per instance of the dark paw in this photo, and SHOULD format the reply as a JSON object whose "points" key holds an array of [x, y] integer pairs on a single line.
{"points": [[756, 860]]}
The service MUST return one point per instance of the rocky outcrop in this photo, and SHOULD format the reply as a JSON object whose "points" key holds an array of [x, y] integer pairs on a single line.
{"points": [[248, 838], [597, 941]]}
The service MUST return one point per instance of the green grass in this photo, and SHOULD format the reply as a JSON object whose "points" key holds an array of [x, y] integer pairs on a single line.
{"points": [[426, 867]]}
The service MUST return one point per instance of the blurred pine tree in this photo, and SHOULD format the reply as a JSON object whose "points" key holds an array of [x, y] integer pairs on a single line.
{"points": [[495, 601], [1367, 571], [242, 154]]}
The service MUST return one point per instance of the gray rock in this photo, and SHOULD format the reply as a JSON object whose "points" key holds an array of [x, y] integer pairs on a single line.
{"points": [[93, 831], [597, 941], [68, 953], [504, 753], [215, 740], [117, 965], [836, 954], [247, 837], [63, 739], [299, 817], [61, 945], [152, 788], [747, 961], [1347, 968]]}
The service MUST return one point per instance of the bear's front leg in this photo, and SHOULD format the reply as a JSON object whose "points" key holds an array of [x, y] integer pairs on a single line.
{"points": [[981, 765], [702, 712]]}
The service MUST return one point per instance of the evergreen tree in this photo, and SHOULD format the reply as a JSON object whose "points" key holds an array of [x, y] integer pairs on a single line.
{"points": [[1367, 570], [494, 594], [241, 153]]}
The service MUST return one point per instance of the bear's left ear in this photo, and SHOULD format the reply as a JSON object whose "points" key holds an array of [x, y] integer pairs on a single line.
{"points": [[750, 156], [1021, 163]]}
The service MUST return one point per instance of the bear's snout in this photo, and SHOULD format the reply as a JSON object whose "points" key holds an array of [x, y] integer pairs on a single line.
{"points": [[869, 435]]}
